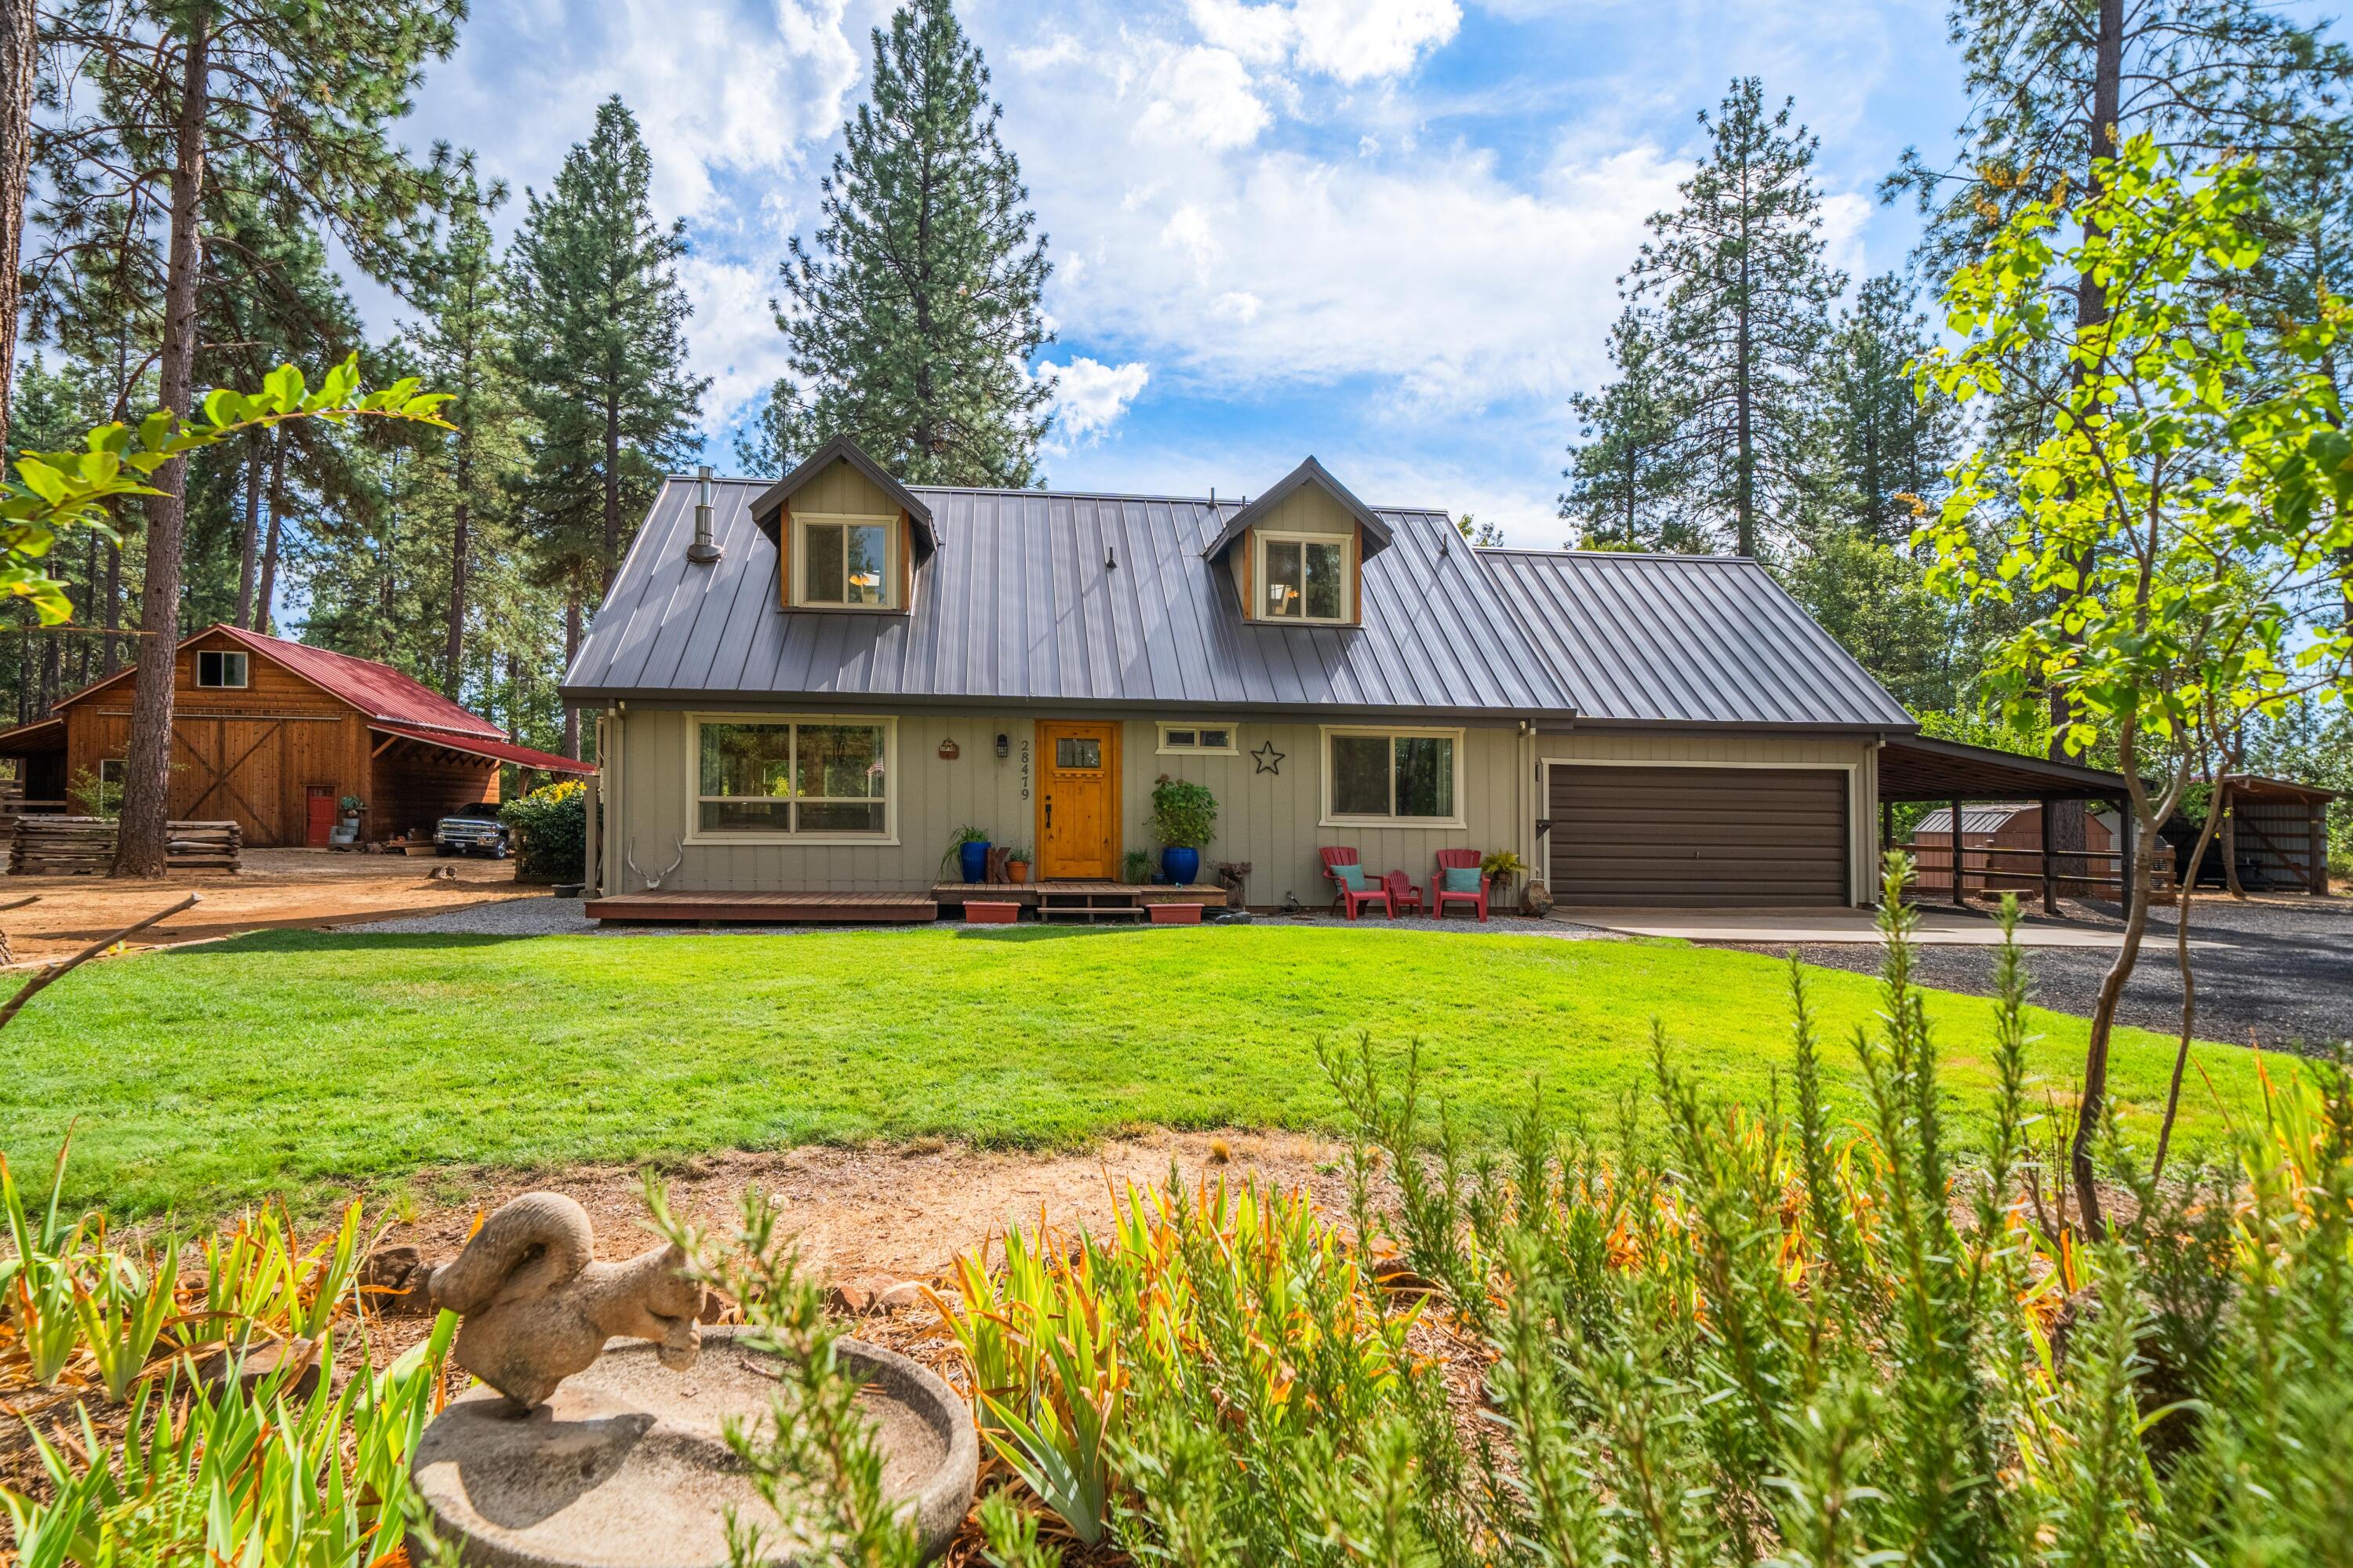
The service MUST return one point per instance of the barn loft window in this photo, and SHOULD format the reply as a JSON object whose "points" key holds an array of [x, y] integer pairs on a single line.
{"points": [[847, 562], [214, 668], [793, 781], [1409, 778], [1302, 577]]}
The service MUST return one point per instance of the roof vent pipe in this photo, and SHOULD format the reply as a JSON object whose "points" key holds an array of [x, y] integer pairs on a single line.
{"points": [[703, 551]]}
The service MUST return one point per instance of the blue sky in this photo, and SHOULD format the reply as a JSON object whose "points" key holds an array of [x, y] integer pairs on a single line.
{"points": [[1387, 232]]}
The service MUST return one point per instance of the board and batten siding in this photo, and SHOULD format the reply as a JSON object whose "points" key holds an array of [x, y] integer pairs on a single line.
{"points": [[1668, 748], [1270, 820]]}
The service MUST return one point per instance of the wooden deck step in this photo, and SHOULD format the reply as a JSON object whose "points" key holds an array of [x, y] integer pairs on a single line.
{"points": [[766, 909]]}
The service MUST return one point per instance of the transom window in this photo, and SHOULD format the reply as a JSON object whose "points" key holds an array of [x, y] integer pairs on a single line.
{"points": [[217, 668], [847, 562], [1303, 577], [1411, 777], [1198, 738], [792, 779]]}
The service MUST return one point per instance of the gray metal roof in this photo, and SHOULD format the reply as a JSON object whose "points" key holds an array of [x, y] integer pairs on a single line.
{"points": [[1377, 531], [1708, 639], [1023, 604]]}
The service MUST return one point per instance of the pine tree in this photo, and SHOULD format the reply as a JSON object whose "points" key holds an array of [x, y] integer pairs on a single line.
{"points": [[19, 74], [174, 96], [912, 325], [462, 347], [1889, 445], [599, 358], [1630, 468], [1744, 296]]}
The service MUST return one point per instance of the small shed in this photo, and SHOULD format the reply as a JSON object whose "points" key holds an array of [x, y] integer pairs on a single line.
{"points": [[2277, 832], [2014, 826], [275, 734]]}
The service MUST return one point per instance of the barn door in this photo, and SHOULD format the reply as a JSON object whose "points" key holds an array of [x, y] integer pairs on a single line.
{"points": [[318, 815], [229, 771]]}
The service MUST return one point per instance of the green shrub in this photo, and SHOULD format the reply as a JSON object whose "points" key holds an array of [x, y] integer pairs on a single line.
{"points": [[1183, 815], [552, 826]]}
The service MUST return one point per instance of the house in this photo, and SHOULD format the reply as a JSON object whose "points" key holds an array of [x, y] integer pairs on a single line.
{"points": [[274, 735], [803, 688]]}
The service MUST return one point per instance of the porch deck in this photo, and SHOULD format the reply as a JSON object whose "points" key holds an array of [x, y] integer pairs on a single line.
{"points": [[1027, 893], [764, 908]]}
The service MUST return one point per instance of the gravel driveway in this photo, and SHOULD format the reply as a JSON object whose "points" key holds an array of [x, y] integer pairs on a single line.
{"points": [[2285, 975]]}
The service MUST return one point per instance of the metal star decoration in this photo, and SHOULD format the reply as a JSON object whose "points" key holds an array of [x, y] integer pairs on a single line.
{"points": [[1269, 760]]}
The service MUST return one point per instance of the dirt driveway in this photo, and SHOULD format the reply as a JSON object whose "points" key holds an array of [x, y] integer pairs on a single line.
{"points": [[278, 889]]}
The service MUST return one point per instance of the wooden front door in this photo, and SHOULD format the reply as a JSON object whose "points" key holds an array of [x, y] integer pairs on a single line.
{"points": [[319, 804], [1078, 800]]}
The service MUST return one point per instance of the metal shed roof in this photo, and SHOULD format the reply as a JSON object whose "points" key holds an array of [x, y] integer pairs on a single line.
{"points": [[1048, 598], [1701, 639]]}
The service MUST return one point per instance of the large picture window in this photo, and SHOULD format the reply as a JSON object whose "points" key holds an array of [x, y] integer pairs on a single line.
{"points": [[792, 779], [1303, 577], [1408, 777], [847, 563]]}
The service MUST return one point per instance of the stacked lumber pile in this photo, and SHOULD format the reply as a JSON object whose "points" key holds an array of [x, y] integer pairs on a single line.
{"points": [[61, 846], [203, 846], [84, 846]]}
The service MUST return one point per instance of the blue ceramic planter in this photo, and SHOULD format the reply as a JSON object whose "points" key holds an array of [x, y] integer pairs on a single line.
{"points": [[973, 861], [1180, 865]]}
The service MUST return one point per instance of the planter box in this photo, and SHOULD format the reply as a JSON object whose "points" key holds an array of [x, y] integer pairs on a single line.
{"points": [[982, 912], [1173, 914]]}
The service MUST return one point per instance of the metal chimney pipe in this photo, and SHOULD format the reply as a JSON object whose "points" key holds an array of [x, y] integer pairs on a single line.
{"points": [[704, 550]]}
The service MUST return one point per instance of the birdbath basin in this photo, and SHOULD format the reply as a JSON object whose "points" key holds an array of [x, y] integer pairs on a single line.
{"points": [[626, 1465]]}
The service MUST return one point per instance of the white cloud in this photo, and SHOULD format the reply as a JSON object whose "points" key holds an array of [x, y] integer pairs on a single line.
{"points": [[1260, 35], [1355, 40], [1090, 396], [732, 333], [1202, 97]]}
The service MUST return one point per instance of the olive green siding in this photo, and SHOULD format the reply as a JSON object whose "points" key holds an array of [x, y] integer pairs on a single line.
{"points": [[1308, 510], [843, 488], [1271, 820]]}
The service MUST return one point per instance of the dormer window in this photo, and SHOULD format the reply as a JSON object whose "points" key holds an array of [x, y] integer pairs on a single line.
{"points": [[845, 562], [1305, 577]]}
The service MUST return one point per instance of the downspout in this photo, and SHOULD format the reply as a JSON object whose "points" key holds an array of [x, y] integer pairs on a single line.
{"points": [[1863, 879], [592, 869], [616, 804]]}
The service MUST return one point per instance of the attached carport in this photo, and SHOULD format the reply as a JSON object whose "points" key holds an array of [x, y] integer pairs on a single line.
{"points": [[1916, 768]]}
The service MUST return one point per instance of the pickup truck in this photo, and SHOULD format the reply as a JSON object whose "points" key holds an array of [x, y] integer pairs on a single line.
{"points": [[471, 829]]}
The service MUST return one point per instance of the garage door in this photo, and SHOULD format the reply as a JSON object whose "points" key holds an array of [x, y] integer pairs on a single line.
{"points": [[1699, 835]]}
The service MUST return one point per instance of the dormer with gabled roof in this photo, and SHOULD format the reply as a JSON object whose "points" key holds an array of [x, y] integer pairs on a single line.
{"points": [[848, 536], [1297, 552]]}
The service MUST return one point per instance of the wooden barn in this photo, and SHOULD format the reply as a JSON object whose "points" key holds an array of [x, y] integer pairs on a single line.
{"points": [[274, 735], [2013, 833]]}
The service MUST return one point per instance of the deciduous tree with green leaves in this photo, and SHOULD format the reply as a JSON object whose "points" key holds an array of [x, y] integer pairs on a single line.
{"points": [[2180, 518], [912, 319]]}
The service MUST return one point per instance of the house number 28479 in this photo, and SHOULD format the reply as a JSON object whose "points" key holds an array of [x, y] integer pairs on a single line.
{"points": [[1025, 770]]}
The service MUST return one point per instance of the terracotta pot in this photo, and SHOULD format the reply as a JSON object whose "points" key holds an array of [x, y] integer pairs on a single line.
{"points": [[1017, 870]]}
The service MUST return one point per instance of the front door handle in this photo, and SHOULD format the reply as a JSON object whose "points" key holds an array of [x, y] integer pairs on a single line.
{"points": [[1050, 811]]}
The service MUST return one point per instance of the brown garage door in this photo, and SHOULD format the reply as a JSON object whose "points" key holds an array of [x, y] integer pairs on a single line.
{"points": [[1699, 835]]}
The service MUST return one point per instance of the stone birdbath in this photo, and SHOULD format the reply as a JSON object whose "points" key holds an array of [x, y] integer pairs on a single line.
{"points": [[573, 1457]]}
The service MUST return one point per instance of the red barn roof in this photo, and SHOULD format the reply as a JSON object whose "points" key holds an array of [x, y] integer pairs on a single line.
{"points": [[378, 691]]}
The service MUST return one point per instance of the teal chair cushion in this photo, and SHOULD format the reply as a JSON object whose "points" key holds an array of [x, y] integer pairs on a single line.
{"points": [[1462, 879], [1352, 877]]}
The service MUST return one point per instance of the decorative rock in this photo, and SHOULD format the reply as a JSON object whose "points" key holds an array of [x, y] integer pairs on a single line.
{"points": [[848, 1299], [1537, 900], [538, 1307], [257, 1364], [907, 1296], [626, 1464], [393, 1280]]}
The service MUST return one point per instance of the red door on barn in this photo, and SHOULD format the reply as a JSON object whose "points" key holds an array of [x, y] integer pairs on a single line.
{"points": [[319, 824]]}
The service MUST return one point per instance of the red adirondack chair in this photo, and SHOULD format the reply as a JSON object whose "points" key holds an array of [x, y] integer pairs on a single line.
{"points": [[1439, 896], [1404, 899], [1348, 897]]}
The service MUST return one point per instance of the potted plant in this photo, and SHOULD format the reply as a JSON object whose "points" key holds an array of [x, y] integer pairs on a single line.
{"points": [[1136, 868], [353, 806], [1184, 818], [1017, 866], [969, 852], [1499, 866]]}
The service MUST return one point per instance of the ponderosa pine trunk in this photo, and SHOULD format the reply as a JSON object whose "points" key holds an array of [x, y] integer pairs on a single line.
{"points": [[264, 595], [612, 506], [19, 69], [461, 542], [248, 545], [147, 767], [571, 651]]}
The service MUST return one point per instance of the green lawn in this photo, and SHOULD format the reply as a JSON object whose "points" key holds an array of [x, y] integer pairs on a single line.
{"points": [[303, 1062]]}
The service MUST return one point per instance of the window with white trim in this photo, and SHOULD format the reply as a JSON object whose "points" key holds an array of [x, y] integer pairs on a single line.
{"points": [[1198, 739], [845, 562], [1411, 777], [1303, 577], [217, 667], [795, 779]]}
